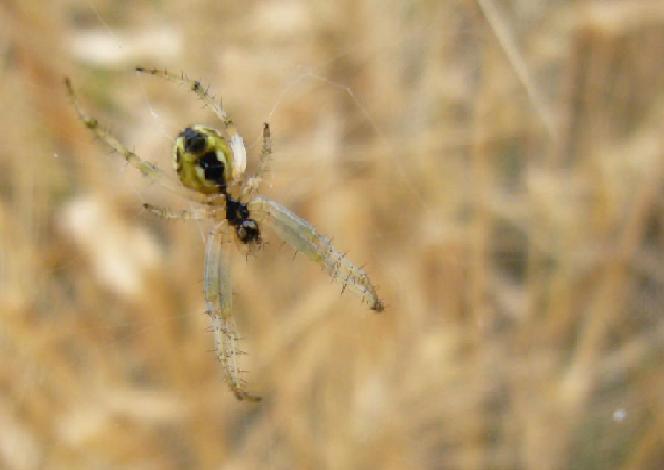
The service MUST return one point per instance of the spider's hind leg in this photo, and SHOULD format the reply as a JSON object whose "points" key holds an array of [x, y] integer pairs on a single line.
{"points": [[146, 168]]}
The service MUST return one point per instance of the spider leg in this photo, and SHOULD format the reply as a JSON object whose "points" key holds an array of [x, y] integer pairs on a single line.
{"points": [[218, 300], [255, 181], [147, 169], [302, 236], [199, 90], [197, 213]]}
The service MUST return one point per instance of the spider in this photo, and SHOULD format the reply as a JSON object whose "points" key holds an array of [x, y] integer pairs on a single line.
{"points": [[211, 164]]}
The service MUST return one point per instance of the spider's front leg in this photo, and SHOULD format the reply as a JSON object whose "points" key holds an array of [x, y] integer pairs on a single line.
{"points": [[218, 304], [253, 183], [302, 236]]}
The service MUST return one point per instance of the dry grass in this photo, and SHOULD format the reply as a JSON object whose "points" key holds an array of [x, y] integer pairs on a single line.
{"points": [[498, 166]]}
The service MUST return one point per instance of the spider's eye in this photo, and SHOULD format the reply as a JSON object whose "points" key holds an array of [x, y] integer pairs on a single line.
{"points": [[194, 141]]}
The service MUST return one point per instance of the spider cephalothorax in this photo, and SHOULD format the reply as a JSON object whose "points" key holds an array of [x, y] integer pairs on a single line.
{"points": [[246, 228], [212, 164]]}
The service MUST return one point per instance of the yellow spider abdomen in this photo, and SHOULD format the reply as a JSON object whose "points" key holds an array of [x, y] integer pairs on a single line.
{"points": [[203, 160]]}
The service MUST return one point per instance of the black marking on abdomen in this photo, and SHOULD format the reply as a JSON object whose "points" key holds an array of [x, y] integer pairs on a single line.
{"points": [[214, 169], [194, 141]]}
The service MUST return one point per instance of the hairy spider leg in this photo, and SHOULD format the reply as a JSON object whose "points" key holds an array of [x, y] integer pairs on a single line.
{"points": [[253, 183], [218, 293], [148, 169], [199, 90], [266, 151], [302, 236], [218, 301]]}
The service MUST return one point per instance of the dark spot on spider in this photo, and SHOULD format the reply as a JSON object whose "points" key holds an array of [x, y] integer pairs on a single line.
{"points": [[213, 168], [236, 212], [237, 215], [194, 141], [248, 231]]}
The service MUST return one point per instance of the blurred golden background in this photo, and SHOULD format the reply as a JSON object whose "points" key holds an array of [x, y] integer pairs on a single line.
{"points": [[498, 166]]}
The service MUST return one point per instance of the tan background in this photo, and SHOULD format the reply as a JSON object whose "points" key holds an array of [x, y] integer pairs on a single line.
{"points": [[497, 165]]}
